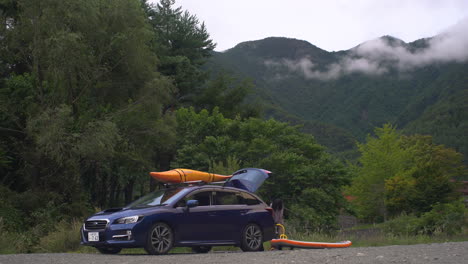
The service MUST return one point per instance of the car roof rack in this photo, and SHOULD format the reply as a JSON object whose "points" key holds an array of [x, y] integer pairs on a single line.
{"points": [[187, 183], [193, 183]]}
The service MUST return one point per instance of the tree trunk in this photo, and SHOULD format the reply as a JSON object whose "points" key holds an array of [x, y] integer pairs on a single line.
{"points": [[129, 191], [163, 163], [103, 186], [113, 187], [117, 195]]}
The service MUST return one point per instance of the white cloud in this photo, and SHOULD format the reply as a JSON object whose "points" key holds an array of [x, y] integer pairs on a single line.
{"points": [[376, 56], [451, 45], [306, 67]]}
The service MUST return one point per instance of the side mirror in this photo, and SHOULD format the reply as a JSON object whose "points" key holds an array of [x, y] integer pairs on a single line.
{"points": [[192, 203]]}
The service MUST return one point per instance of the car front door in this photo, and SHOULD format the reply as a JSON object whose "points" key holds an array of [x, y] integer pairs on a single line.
{"points": [[196, 224]]}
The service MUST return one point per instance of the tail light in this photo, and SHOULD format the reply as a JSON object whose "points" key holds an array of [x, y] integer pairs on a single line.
{"points": [[269, 209]]}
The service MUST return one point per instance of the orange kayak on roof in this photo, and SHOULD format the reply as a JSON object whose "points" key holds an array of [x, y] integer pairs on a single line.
{"points": [[185, 175]]}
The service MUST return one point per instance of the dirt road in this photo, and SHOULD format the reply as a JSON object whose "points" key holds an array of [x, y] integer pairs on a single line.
{"points": [[449, 253]]}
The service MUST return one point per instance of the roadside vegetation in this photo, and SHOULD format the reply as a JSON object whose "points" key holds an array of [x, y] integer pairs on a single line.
{"points": [[90, 102], [376, 236], [66, 239]]}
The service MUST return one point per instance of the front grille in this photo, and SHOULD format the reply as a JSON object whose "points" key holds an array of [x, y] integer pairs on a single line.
{"points": [[95, 224]]}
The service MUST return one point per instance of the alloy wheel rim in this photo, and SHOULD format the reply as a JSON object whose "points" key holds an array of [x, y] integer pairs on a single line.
{"points": [[161, 238], [253, 237]]}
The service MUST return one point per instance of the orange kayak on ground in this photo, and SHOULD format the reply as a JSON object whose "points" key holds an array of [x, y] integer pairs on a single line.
{"points": [[278, 243], [185, 175]]}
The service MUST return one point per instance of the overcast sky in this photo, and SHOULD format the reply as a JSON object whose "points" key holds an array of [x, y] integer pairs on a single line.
{"points": [[329, 24]]}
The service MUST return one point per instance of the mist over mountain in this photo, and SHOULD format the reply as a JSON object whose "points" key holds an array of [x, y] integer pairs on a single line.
{"points": [[378, 56], [340, 97]]}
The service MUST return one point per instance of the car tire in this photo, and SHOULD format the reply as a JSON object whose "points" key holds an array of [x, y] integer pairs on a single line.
{"points": [[109, 250], [201, 249], [160, 239], [252, 238]]}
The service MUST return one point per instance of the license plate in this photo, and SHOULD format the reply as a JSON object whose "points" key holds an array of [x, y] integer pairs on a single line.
{"points": [[93, 236]]}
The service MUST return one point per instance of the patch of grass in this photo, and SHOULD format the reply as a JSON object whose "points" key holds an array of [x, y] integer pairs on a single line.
{"points": [[65, 238], [372, 235], [366, 226], [13, 243], [390, 239], [10, 243]]}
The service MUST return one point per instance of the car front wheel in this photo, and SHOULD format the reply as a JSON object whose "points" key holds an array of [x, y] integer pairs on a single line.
{"points": [[252, 238], [160, 239]]}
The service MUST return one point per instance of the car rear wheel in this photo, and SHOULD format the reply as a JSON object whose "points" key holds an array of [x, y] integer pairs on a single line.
{"points": [[201, 249], [109, 250], [252, 238], [160, 239]]}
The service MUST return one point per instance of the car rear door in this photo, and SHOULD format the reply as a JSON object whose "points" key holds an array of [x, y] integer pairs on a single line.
{"points": [[230, 211]]}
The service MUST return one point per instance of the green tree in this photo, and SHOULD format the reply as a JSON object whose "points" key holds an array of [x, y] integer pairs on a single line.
{"points": [[400, 174], [183, 44], [382, 157], [428, 181], [229, 96], [304, 175], [82, 95]]}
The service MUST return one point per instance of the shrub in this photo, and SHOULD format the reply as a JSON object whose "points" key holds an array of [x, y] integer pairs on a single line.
{"points": [[5, 240], [12, 242], [403, 225], [12, 218], [65, 238], [448, 218]]}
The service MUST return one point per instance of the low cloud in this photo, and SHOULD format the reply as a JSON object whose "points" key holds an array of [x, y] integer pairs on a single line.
{"points": [[306, 67], [375, 57]]}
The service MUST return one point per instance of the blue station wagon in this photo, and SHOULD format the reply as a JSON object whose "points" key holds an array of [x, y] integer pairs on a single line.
{"points": [[192, 215]]}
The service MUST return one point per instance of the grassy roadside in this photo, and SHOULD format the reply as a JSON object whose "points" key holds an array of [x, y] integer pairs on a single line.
{"points": [[359, 240], [371, 235], [66, 238]]}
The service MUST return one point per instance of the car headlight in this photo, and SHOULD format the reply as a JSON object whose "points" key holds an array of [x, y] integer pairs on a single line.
{"points": [[129, 219]]}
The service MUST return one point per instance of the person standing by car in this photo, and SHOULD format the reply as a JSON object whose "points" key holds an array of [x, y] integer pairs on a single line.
{"points": [[278, 209]]}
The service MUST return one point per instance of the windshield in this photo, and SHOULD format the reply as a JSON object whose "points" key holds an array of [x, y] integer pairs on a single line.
{"points": [[157, 198]]}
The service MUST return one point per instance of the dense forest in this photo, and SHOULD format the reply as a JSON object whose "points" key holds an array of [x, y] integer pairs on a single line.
{"points": [[95, 94]]}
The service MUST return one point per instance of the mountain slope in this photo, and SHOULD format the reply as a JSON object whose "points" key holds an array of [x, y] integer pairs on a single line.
{"points": [[356, 90]]}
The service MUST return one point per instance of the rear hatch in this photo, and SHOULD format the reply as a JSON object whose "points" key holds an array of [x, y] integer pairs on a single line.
{"points": [[249, 179]]}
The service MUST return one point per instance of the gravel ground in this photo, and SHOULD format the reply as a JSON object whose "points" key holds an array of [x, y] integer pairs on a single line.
{"points": [[425, 253]]}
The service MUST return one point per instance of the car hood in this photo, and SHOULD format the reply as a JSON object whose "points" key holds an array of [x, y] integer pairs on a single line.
{"points": [[116, 213]]}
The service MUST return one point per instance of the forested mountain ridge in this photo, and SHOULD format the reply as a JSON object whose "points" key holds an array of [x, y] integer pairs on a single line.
{"points": [[379, 81]]}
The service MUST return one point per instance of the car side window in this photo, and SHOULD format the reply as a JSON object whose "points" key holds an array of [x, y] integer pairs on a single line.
{"points": [[227, 198], [248, 199], [203, 199]]}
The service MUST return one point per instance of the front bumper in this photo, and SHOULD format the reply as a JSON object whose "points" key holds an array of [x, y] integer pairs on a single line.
{"points": [[118, 235]]}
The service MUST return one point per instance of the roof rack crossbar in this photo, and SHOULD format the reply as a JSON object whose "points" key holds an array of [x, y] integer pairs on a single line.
{"points": [[188, 183]]}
